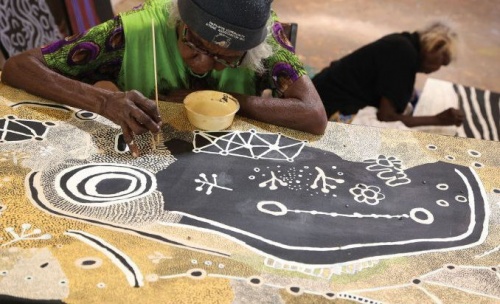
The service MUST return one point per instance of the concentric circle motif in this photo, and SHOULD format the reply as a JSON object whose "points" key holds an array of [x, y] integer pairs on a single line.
{"points": [[86, 115], [442, 187], [442, 203], [427, 219], [474, 153], [104, 184]]}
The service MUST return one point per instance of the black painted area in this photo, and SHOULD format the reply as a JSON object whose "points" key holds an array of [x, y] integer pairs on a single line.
{"points": [[14, 130], [315, 238], [120, 144], [15, 300]]}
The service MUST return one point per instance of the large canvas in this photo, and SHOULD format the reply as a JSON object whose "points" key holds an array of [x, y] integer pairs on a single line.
{"points": [[252, 214]]}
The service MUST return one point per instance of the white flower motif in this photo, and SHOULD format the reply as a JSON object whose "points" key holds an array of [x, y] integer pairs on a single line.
{"points": [[389, 169], [367, 194], [387, 162]]}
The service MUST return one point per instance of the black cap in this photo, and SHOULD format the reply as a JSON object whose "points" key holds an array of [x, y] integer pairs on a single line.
{"points": [[234, 24]]}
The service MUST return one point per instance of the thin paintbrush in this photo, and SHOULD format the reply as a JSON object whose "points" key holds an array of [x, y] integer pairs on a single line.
{"points": [[154, 60], [158, 140]]}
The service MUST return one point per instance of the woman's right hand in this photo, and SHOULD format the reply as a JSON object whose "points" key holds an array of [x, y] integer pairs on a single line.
{"points": [[450, 117], [134, 113]]}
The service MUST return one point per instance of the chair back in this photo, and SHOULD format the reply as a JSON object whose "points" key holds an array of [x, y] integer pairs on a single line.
{"points": [[84, 14], [290, 30]]}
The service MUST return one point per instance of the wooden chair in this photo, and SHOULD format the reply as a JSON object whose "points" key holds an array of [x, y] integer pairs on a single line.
{"points": [[84, 14], [291, 32]]}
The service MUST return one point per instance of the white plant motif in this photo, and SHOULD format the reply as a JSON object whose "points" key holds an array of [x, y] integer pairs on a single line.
{"points": [[324, 180], [210, 185], [25, 235], [272, 181], [367, 194]]}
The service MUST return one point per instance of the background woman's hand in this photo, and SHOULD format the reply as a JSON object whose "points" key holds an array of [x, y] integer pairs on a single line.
{"points": [[450, 117], [134, 113]]}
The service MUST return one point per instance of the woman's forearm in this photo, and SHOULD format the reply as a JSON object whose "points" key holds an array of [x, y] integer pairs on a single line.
{"points": [[300, 108], [131, 110], [27, 71]]}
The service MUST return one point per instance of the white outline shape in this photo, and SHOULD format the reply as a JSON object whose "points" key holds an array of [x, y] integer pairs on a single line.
{"points": [[428, 221], [442, 203], [442, 187], [470, 229], [283, 208]]}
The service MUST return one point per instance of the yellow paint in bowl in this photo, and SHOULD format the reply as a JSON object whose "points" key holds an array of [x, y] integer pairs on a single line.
{"points": [[211, 110]]}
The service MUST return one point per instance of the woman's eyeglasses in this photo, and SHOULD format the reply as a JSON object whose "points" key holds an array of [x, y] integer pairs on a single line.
{"points": [[228, 61]]}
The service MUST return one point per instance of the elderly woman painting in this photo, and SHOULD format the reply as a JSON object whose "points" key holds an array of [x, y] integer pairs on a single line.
{"points": [[235, 46]]}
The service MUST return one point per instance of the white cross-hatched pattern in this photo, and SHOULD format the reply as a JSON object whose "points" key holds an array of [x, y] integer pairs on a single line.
{"points": [[248, 144]]}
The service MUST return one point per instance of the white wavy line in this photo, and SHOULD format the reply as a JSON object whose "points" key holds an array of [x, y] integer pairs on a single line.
{"points": [[468, 112], [479, 114], [377, 288], [434, 298], [469, 291], [488, 252], [131, 275], [489, 114]]}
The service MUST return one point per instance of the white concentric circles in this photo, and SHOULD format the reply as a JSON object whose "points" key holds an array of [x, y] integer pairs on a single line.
{"points": [[79, 184], [442, 203]]}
